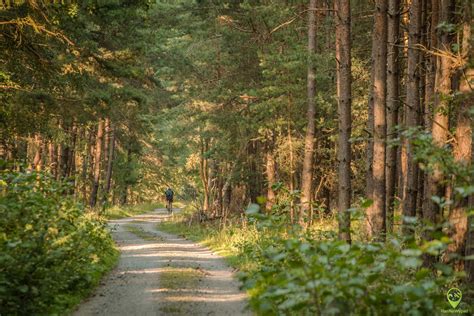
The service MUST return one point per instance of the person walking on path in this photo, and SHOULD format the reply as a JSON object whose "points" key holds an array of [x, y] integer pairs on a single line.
{"points": [[169, 200]]}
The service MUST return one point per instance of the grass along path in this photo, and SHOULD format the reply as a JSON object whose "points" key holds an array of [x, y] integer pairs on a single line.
{"points": [[163, 274]]}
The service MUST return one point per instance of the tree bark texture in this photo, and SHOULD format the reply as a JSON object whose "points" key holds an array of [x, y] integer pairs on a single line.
{"points": [[344, 83], [97, 163], [376, 223], [270, 170], [463, 144], [412, 107], [110, 161], [393, 104], [307, 173], [434, 182]]}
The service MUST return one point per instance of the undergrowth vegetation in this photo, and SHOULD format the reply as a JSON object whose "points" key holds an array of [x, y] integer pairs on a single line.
{"points": [[290, 272], [52, 252]]}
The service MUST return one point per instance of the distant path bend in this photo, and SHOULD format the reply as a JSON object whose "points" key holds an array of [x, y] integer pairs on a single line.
{"points": [[162, 274]]}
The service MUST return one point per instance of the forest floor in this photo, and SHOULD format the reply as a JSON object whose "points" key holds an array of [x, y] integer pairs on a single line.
{"points": [[163, 274]]}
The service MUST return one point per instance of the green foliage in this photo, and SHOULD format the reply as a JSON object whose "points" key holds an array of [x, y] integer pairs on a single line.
{"points": [[231, 241], [304, 274], [51, 252], [287, 272], [307, 277]]}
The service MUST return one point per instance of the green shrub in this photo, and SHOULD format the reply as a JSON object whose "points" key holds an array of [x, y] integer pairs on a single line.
{"points": [[297, 274], [289, 272], [51, 252]]}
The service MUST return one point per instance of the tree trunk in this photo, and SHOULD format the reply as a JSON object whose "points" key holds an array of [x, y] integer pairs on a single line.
{"points": [[423, 60], [124, 194], [270, 166], [60, 158], [292, 163], [412, 108], [393, 104], [72, 168], [71, 159], [110, 161], [462, 154], [38, 160], [97, 164], [86, 161], [369, 187], [376, 224], [211, 185], [434, 182], [344, 83], [52, 158], [431, 60], [307, 173], [469, 76], [463, 144], [469, 265], [203, 172]]}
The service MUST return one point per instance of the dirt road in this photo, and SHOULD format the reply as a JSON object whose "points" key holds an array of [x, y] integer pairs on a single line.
{"points": [[162, 274]]}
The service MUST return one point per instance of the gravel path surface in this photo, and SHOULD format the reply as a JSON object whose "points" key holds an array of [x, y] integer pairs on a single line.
{"points": [[162, 274]]}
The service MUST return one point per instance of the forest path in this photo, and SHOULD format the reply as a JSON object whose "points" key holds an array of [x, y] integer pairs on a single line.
{"points": [[162, 274]]}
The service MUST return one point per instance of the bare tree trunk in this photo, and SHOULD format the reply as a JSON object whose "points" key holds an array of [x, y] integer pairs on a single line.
{"points": [[292, 163], [211, 181], [463, 144], [403, 155], [97, 164], [227, 192], [393, 104], [110, 161], [369, 187], [71, 159], [72, 164], [412, 108], [203, 171], [376, 224], [86, 159], [270, 166], [434, 185], [423, 61], [469, 77], [307, 173], [344, 83], [38, 160], [60, 157], [52, 158], [124, 194], [431, 60], [462, 154], [469, 265]]}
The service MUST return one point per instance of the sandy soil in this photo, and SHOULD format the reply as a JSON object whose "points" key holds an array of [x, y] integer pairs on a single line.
{"points": [[162, 274]]}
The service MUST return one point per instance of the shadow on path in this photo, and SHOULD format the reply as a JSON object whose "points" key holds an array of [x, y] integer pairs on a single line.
{"points": [[164, 275]]}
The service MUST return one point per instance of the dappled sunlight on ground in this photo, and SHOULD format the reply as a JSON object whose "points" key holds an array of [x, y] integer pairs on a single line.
{"points": [[162, 274]]}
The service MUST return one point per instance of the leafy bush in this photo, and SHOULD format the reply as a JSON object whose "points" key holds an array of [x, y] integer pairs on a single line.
{"points": [[289, 272], [299, 275], [51, 252]]}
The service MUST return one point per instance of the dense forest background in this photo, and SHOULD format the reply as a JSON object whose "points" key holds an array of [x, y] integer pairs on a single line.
{"points": [[352, 114]]}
